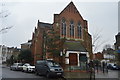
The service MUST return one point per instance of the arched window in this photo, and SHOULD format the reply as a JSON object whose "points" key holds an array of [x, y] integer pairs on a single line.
{"points": [[63, 27], [79, 30], [71, 28]]}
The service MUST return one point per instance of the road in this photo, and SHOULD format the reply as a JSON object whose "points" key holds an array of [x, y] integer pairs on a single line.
{"points": [[8, 74]]}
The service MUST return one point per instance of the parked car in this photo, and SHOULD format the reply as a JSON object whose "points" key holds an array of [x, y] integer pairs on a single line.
{"points": [[28, 68], [118, 67], [16, 66], [112, 66], [49, 68]]}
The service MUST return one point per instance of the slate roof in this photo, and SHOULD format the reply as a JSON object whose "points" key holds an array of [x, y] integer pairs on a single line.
{"points": [[74, 46], [42, 24], [118, 33], [27, 43]]}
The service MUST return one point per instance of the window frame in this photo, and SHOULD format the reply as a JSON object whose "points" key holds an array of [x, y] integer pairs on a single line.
{"points": [[72, 32], [63, 27], [79, 30]]}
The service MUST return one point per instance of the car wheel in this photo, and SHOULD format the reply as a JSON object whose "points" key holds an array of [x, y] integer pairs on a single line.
{"points": [[22, 70], [14, 69], [27, 70], [10, 68], [48, 75], [36, 73]]}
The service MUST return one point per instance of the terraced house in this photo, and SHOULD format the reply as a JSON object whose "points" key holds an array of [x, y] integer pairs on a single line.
{"points": [[69, 25]]}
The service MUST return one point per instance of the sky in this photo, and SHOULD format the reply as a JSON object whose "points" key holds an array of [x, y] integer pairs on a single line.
{"points": [[102, 17], [118, 16]]}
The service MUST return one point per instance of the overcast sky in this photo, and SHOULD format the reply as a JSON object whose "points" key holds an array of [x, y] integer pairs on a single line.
{"points": [[101, 16]]}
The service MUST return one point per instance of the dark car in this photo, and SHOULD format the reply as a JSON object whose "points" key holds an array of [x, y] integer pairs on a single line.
{"points": [[118, 67], [112, 66], [16, 66], [49, 68]]}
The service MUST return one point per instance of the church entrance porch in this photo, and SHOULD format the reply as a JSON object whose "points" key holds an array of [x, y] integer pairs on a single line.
{"points": [[76, 55], [76, 60]]}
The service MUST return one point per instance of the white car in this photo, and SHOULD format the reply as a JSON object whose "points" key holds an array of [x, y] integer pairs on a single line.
{"points": [[28, 68]]}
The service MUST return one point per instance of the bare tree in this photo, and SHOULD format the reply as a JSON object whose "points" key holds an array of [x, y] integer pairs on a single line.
{"points": [[97, 40], [4, 14], [4, 30], [107, 46]]}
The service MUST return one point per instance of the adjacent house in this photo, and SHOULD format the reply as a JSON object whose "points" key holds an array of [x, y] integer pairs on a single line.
{"points": [[4, 54], [7, 52], [98, 56], [69, 24], [26, 45]]}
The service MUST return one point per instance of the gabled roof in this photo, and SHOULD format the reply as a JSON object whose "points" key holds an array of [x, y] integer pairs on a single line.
{"points": [[27, 43], [118, 33], [42, 24], [69, 5]]}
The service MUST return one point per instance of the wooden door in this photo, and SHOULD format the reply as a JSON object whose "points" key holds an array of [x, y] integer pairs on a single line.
{"points": [[73, 60]]}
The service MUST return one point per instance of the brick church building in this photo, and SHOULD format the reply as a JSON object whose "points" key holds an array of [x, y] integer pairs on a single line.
{"points": [[69, 24], [117, 47]]}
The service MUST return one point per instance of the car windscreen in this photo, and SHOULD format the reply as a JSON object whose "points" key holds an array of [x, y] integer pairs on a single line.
{"points": [[14, 64], [53, 64], [115, 65], [27, 64], [20, 64]]}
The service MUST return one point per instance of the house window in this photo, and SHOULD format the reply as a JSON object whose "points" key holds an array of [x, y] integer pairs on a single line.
{"points": [[63, 27], [71, 29], [79, 30]]}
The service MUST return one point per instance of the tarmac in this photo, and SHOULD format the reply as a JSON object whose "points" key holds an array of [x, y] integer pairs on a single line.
{"points": [[85, 75], [111, 74]]}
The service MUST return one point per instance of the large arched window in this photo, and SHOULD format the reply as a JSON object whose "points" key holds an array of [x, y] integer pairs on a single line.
{"points": [[79, 30], [71, 28], [63, 27]]}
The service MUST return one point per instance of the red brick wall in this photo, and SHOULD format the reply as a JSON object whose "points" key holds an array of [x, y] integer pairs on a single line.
{"points": [[71, 13], [98, 56]]}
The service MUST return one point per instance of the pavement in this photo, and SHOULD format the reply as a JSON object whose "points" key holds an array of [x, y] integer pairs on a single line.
{"points": [[111, 74], [76, 75]]}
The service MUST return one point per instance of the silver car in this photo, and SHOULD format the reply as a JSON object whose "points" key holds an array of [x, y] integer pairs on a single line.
{"points": [[16, 66]]}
